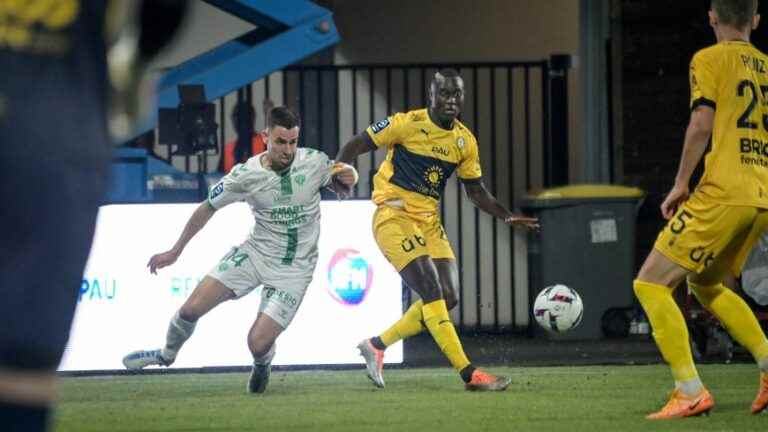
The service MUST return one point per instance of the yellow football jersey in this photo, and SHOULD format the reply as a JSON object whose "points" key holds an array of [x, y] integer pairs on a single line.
{"points": [[421, 157], [732, 78]]}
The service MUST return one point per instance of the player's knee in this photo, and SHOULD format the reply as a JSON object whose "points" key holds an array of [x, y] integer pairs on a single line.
{"points": [[451, 300], [188, 312], [706, 294], [430, 291]]}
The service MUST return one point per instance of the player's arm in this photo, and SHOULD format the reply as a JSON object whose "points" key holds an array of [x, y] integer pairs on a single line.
{"points": [[482, 199], [703, 77], [232, 188], [359, 144], [696, 139], [383, 133], [196, 222]]}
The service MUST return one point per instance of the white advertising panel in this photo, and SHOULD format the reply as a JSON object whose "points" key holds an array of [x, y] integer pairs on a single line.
{"points": [[355, 292]]}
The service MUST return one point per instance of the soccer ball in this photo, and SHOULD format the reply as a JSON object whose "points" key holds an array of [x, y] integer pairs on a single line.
{"points": [[558, 308]]}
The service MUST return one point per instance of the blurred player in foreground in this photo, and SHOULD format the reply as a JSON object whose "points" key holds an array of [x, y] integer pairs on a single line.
{"points": [[69, 68]]}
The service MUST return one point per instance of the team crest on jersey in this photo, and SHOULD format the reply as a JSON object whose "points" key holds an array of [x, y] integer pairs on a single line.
{"points": [[379, 125], [434, 175], [300, 179], [460, 142]]}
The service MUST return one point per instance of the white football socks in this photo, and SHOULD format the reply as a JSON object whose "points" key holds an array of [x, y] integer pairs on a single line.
{"points": [[763, 364], [179, 330], [266, 358]]}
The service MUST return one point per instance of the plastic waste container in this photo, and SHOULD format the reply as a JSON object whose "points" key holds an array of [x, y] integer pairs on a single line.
{"points": [[587, 242]]}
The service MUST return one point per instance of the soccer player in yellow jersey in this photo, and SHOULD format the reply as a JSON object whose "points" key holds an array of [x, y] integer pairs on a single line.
{"points": [[710, 231], [424, 147]]}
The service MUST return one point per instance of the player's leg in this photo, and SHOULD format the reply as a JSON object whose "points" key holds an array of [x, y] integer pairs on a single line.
{"points": [[448, 271], [277, 309], [695, 239], [234, 276], [412, 322], [261, 342], [49, 211], [732, 311], [654, 286], [438, 247], [422, 276], [208, 294], [657, 280]]}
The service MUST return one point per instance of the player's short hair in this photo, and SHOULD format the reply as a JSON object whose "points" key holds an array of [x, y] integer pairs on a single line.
{"points": [[735, 13], [282, 116], [445, 73]]}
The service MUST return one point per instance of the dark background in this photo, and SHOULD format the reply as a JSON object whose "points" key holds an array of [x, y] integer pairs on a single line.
{"points": [[659, 38]]}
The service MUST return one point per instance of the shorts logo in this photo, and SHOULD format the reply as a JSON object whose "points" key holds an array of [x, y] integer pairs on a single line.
{"points": [[698, 254], [379, 125], [350, 277], [281, 296], [217, 190], [408, 245]]}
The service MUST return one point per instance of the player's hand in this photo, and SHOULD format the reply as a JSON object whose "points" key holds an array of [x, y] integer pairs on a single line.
{"points": [[161, 260], [345, 177], [678, 195], [527, 222]]}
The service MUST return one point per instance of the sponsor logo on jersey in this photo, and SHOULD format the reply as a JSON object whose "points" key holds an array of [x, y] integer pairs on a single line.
{"points": [[217, 190], [441, 151], [379, 125], [350, 277]]}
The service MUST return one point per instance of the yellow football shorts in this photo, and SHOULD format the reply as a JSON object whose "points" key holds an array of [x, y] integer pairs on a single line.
{"points": [[403, 237], [703, 232]]}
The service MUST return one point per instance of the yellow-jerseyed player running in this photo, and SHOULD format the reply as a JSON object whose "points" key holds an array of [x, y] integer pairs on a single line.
{"points": [[710, 232], [424, 148]]}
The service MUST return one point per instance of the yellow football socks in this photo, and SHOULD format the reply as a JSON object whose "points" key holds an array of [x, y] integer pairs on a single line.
{"points": [[441, 328], [669, 328], [410, 324], [736, 316]]}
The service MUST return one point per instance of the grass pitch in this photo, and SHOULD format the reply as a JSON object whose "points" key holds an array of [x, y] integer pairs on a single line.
{"points": [[592, 398]]}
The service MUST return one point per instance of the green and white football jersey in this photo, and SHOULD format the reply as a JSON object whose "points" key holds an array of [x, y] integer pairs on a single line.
{"points": [[285, 206]]}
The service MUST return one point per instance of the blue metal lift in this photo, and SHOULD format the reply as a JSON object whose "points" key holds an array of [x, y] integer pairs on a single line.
{"points": [[286, 32]]}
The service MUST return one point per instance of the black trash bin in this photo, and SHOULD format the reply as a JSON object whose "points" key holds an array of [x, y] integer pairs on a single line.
{"points": [[587, 242]]}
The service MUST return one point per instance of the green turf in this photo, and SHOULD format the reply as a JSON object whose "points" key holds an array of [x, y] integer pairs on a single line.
{"points": [[595, 398]]}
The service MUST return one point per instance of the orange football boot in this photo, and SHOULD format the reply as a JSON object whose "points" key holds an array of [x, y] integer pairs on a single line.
{"points": [[483, 381], [761, 400], [680, 405]]}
